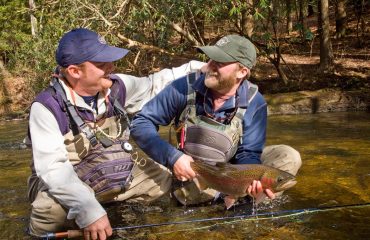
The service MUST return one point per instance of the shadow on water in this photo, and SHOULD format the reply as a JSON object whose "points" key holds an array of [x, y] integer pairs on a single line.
{"points": [[336, 171]]}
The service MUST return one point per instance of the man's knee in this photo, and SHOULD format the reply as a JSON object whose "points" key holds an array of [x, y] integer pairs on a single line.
{"points": [[149, 182], [48, 216], [282, 157]]}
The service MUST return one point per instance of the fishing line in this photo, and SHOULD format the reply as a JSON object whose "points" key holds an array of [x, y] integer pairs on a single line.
{"points": [[235, 218], [252, 217], [267, 216]]}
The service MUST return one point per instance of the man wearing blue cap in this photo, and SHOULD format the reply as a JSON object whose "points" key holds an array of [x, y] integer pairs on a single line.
{"points": [[219, 116], [78, 129]]}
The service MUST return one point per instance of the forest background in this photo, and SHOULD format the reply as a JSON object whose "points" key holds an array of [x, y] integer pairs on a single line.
{"points": [[313, 55]]}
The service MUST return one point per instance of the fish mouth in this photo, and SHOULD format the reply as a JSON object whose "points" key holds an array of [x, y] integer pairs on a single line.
{"points": [[288, 184]]}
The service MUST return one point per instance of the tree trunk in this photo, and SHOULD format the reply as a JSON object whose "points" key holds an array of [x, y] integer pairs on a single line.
{"points": [[359, 7], [289, 22], [277, 56], [340, 18], [5, 99], [310, 11], [33, 18], [247, 23], [302, 19], [276, 61], [326, 51]]}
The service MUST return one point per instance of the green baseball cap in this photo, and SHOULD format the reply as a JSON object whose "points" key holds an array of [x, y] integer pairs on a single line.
{"points": [[232, 48]]}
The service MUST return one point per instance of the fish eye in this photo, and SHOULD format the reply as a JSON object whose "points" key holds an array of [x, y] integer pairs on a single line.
{"points": [[279, 179]]}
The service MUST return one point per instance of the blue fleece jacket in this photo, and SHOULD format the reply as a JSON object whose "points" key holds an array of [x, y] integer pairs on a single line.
{"points": [[169, 104]]}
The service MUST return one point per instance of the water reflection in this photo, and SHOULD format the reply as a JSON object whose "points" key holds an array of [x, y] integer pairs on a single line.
{"points": [[14, 168], [335, 153]]}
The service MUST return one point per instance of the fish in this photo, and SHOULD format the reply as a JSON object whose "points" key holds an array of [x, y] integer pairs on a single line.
{"points": [[233, 180]]}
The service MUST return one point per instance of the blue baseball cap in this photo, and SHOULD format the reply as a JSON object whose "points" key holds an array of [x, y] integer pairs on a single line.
{"points": [[81, 45]]}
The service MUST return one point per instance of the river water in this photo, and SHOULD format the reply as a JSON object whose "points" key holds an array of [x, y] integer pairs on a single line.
{"points": [[335, 149]]}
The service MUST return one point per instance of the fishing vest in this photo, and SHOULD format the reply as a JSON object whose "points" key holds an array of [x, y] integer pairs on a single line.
{"points": [[97, 150], [205, 138]]}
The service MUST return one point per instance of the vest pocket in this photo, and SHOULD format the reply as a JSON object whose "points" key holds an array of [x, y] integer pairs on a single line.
{"points": [[106, 171], [208, 136], [203, 152]]}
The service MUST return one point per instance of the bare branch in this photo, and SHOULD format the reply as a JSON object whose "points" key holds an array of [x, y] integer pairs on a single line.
{"points": [[33, 18], [133, 43], [185, 33], [95, 10], [137, 58], [178, 29], [195, 25], [123, 4]]}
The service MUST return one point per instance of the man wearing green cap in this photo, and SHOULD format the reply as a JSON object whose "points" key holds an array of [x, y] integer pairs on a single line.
{"points": [[219, 116]]}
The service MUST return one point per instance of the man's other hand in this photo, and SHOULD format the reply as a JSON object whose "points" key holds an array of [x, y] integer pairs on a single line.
{"points": [[255, 190], [98, 230]]}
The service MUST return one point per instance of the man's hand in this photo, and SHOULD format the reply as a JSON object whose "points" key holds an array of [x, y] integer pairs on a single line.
{"points": [[182, 169], [255, 190], [100, 229]]}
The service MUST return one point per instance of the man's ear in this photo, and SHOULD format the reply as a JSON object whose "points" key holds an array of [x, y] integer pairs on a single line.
{"points": [[242, 73], [74, 71]]}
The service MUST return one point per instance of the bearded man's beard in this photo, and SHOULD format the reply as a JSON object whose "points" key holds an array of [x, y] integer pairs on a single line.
{"points": [[212, 81]]}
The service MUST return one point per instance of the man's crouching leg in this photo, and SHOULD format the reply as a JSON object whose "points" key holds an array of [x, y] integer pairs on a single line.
{"points": [[150, 180], [48, 216], [282, 157]]}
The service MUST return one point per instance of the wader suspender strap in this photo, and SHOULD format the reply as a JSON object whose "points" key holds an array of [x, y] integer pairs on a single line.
{"points": [[190, 100], [121, 111], [191, 77], [252, 91], [118, 107], [73, 113]]}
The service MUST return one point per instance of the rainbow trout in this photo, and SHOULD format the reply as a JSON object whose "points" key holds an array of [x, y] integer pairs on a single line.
{"points": [[233, 180]]}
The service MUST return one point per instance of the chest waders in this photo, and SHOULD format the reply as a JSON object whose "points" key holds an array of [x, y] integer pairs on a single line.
{"points": [[206, 139], [106, 166]]}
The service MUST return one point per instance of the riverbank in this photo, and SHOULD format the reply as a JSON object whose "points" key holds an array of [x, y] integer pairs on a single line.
{"points": [[301, 102], [323, 100]]}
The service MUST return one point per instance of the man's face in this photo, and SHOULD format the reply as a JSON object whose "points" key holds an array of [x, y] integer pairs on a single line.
{"points": [[221, 76], [94, 77]]}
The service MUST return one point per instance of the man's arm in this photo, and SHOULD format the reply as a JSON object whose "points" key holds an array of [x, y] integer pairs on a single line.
{"points": [[56, 172], [160, 111], [139, 90]]}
